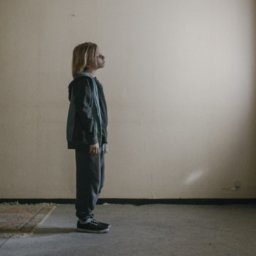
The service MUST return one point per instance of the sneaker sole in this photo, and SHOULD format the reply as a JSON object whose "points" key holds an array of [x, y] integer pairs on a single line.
{"points": [[83, 230]]}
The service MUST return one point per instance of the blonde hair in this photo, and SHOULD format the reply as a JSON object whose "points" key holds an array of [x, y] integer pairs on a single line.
{"points": [[83, 55]]}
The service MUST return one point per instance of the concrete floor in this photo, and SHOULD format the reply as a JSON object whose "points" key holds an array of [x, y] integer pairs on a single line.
{"points": [[171, 230]]}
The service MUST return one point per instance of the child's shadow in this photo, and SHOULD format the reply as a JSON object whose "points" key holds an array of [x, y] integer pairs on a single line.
{"points": [[53, 230]]}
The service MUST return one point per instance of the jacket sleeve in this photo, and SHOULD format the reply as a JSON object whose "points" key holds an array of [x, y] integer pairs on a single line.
{"points": [[83, 101]]}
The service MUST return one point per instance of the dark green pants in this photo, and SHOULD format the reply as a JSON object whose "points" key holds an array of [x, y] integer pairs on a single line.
{"points": [[89, 181]]}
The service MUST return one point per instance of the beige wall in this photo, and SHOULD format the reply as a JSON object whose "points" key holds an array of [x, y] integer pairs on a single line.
{"points": [[180, 86]]}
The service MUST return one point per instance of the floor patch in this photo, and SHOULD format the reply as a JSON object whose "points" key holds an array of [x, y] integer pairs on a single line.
{"points": [[18, 220]]}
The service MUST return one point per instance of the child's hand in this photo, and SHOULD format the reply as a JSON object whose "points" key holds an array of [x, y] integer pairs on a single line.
{"points": [[94, 149]]}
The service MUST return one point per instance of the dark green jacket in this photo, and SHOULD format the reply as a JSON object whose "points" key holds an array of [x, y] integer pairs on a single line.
{"points": [[87, 117]]}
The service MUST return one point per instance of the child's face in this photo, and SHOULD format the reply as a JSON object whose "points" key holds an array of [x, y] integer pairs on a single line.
{"points": [[100, 59]]}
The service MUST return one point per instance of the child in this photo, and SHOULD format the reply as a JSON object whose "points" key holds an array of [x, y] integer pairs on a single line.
{"points": [[87, 133]]}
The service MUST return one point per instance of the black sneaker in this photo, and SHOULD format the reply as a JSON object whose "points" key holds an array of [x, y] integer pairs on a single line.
{"points": [[92, 226], [101, 223]]}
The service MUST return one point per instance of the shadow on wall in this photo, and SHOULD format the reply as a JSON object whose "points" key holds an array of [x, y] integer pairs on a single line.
{"points": [[253, 112], [237, 163]]}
